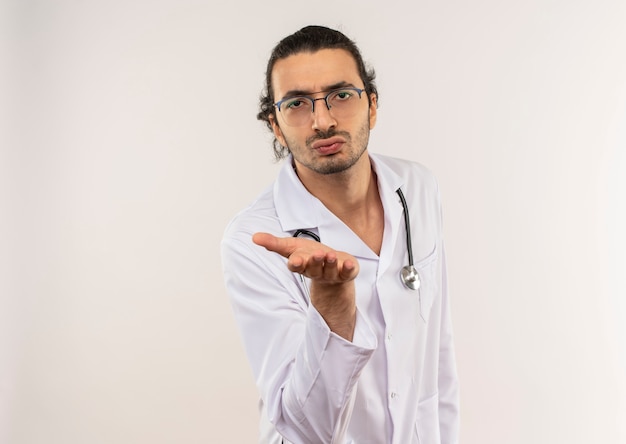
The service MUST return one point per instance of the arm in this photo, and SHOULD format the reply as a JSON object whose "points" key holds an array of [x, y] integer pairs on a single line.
{"points": [[332, 276], [305, 373], [448, 380]]}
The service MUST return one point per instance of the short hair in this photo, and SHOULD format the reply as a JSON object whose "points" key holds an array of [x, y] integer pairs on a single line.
{"points": [[309, 39]]}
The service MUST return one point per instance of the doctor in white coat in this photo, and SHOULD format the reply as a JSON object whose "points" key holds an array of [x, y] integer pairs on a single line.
{"points": [[344, 346]]}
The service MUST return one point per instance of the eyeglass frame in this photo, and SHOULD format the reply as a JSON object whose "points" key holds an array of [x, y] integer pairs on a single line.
{"points": [[359, 91]]}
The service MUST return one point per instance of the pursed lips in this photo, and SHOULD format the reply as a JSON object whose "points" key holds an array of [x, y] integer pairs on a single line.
{"points": [[330, 144]]}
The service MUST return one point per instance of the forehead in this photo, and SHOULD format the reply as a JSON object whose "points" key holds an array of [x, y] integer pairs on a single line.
{"points": [[310, 72]]}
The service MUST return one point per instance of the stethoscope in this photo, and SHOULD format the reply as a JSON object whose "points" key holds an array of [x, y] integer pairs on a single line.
{"points": [[408, 274]]}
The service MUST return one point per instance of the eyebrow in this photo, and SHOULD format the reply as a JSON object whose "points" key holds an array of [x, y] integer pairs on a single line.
{"points": [[301, 92]]}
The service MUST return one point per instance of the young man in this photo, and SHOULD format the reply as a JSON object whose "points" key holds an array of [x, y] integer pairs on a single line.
{"points": [[347, 344]]}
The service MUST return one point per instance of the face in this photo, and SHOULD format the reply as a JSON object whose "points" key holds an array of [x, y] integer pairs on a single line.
{"points": [[325, 144]]}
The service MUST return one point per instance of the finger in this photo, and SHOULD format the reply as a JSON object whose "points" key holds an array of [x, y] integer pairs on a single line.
{"points": [[338, 270], [280, 245], [349, 270], [264, 239], [331, 266], [313, 266], [296, 263]]}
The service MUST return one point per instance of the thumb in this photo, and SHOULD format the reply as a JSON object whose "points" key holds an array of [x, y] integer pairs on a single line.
{"points": [[282, 246], [265, 240]]}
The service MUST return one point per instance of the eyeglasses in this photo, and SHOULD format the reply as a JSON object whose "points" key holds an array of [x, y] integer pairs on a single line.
{"points": [[341, 103]]}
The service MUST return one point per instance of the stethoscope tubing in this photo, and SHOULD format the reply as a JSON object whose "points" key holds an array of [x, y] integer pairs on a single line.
{"points": [[407, 225], [409, 275], [307, 233]]}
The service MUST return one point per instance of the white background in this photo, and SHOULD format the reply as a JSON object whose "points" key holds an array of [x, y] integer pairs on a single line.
{"points": [[129, 140]]}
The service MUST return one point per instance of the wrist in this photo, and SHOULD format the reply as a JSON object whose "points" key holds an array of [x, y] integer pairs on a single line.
{"points": [[337, 306]]}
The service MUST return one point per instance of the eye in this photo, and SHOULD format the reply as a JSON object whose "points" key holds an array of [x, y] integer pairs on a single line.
{"points": [[295, 103], [343, 95]]}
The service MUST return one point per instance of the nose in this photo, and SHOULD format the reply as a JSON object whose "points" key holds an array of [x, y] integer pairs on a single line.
{"points": [[322, 118]]}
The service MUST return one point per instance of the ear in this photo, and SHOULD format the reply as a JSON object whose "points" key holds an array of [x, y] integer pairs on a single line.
{"points": [[277, 131], [373, 110]]}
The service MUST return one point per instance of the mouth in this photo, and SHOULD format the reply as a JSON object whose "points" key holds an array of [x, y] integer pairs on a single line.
{"points": [[328, 146]]}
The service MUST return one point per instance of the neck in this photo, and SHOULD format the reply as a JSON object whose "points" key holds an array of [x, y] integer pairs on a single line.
{"points": [[352, 196], [340, 192]]}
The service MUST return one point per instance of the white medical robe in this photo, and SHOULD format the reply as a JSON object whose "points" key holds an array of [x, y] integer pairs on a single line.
{"points": [[396, 381]]}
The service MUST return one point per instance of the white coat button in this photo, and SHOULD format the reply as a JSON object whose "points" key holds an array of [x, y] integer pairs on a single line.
{"points": [[394, 395], [389, 336]]}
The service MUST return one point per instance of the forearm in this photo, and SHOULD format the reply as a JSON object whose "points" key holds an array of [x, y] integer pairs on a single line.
{"points": [[336, 304], [315, 401], [305, 372], [448, 379], [448, 393]]}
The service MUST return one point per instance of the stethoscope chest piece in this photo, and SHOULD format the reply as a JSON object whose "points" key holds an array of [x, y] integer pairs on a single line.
{"points": [[409, 277]]}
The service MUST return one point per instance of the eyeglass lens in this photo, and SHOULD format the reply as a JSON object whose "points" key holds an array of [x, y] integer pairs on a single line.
{"points": [[341, 103]]}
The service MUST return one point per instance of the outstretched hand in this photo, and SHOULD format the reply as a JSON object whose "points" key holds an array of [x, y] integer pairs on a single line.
{"points": [[332, 276], [310, 258]]}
